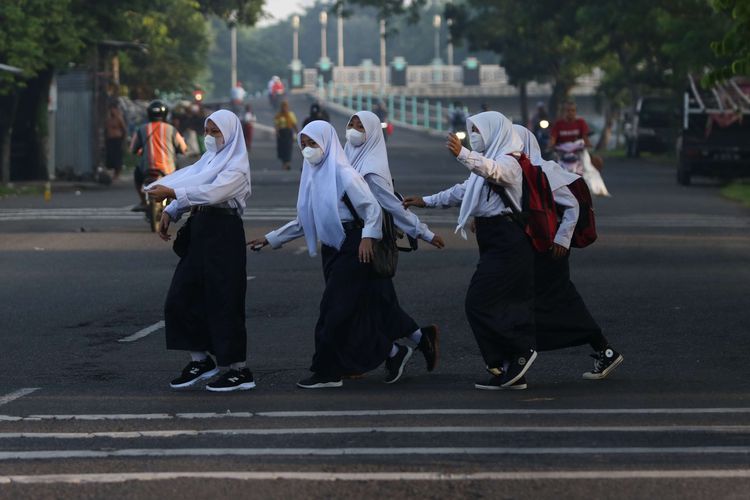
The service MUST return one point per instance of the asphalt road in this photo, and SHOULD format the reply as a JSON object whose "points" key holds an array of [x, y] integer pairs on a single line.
{"points": [[85, 415]]}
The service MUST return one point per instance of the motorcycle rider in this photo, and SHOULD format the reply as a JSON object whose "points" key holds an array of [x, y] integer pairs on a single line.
{"points": [[157, 143], [457, 122], [569, 128]]}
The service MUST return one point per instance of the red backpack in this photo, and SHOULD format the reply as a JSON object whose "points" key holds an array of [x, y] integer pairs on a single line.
{"points": [[538, 216], [585, 231]]}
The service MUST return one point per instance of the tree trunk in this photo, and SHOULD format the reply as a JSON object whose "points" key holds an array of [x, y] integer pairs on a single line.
{"points": [[523, 96], [560, 93], [9, 104], [609, 120], [30, 129]]}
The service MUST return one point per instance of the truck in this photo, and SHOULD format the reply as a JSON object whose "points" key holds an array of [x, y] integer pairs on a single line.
{"points": [[715, 136]]}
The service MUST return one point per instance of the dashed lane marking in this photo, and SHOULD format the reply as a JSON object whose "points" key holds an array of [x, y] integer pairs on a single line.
{"points": [[380, 476], [143, 333], [8, 398]]}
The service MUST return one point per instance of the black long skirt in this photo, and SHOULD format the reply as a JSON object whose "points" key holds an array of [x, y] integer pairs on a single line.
{"points": [[359, 314], [500, 298], [562, 318], [284, 143], [205, 306]]}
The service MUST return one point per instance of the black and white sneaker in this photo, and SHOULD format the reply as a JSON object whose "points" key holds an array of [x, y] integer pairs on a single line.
{"points": [[233, 380], [194, 372], [518, 367], [518, 385], [318, 381], [395, 365], [429, 346], [604, 363], [493, 383]]}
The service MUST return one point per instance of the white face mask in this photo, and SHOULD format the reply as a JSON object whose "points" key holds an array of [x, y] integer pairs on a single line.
{"points": [[355, 137], [212, 144], [476, 141], [313, 155]]}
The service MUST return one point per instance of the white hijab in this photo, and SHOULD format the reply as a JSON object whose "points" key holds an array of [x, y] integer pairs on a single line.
{"points": [[321, 187], [372, 156], [556, 175], [500, 140], [231, 157]]}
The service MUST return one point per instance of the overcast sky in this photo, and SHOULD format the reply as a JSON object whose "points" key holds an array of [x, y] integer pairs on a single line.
{"points": [[280, 9]]}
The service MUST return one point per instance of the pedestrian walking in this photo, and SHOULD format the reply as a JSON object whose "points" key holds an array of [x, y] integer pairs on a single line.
{"points": [[116, 130], [366, 151], [561, 316], [499, 300], [248, 125], [205, 306], [317, 113], [356, 328], [285, 123]]}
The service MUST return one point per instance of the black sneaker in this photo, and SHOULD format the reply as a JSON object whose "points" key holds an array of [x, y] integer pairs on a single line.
{"points": [[318, 381], [518, 367], [429, 345], [495, 382], [604, 363], [194, 372], [395, 365], [518, 385], [233, 380]]}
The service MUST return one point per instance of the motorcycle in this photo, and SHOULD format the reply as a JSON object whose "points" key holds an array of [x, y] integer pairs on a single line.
{"points": [[573, 157], [154, 208], [387, 129]]}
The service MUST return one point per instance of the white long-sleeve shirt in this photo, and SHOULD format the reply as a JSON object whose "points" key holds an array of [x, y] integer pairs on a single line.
{"points": [[230, 189], [565, 198], [507, 174], [404, 219], [364, 203]]}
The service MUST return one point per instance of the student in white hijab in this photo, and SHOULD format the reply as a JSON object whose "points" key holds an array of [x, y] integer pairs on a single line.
{"points": [[205, 307], [560, 314], [353, 332], [500, 297], [366, 150]]}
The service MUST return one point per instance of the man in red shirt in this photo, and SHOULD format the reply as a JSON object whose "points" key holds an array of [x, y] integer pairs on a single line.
{"points": [[569, 128]]}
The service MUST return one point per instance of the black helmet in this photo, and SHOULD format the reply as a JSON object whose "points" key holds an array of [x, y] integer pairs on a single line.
{"points": [[157, 110]]}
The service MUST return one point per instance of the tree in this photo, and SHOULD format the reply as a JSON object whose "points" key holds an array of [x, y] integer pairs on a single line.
{"points": [[735, 43]]}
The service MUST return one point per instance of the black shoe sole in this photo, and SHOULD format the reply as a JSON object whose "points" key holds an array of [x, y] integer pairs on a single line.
{"points": [[409, 353], [605, 373], [321, 385]]}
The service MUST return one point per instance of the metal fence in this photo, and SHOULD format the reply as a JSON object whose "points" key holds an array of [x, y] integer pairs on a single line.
{"points": [[74, 148]]}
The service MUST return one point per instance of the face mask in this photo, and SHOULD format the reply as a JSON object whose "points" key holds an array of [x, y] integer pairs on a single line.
{"points": [[355, 137], [477, 143], [212, 144], [313, 155]]}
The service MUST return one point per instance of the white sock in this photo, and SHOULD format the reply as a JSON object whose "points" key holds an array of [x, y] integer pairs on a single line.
{"points": [[238, 366], [416, 336], [394, 350], [198, 355]]}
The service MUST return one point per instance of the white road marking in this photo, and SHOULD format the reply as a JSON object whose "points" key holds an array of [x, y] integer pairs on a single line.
{"points": [[142, 333], [380, 476], [720, 429], [431, 451], [250, 278], [4, 400], [300, 250], [387, 413]]}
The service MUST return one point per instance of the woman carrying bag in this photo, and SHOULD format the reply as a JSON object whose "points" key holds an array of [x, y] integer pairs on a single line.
{"points": [[355, 330], [205, 307], [366, 150]]}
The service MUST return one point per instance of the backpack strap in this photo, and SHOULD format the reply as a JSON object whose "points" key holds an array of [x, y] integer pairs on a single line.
{"points": [[354, 213]]}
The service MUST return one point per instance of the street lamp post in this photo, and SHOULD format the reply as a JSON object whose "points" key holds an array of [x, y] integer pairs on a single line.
{"points": [[323, 27], [382, 57], [340, 38], [436, 22], [449, 23], [233, 35], [295, 44]]}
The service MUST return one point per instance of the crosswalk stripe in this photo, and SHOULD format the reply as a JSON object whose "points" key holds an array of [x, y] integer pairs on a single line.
{"points": [[365, 451], [583, 429]]}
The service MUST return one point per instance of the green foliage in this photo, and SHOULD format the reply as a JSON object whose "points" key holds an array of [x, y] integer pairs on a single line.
{"points": [[386, 9], [734, 46], [245, 12]]}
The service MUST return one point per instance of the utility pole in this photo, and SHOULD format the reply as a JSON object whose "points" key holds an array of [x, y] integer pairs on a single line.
{"points": [[382, 57], [340, 33]]}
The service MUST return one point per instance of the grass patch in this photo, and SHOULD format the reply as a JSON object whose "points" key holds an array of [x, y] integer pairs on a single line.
{"points": [[11, 190], [738, 191]]}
